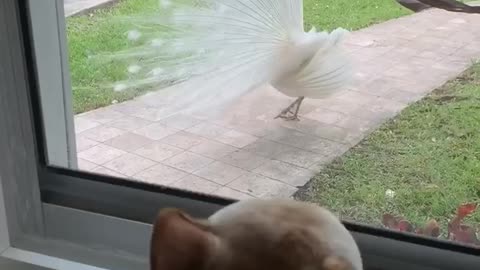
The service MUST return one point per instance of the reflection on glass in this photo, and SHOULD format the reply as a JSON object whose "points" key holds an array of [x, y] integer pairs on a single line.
{"points": [[196, 95]]}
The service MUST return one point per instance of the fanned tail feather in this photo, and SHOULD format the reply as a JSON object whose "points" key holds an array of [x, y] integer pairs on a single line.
{"points": [[206, 53]]}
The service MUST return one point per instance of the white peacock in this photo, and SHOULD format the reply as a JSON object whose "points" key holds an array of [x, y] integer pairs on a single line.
{"points": [[214, 51]]}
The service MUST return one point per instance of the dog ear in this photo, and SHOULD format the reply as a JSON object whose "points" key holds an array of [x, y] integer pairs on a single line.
{"points": [[179, 242]]}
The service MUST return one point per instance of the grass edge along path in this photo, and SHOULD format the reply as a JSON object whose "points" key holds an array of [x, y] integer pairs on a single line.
{"points": [[421, 165]]}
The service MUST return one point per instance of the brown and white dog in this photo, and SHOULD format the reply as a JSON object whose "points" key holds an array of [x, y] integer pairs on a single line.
{"points": [[255, 234]]}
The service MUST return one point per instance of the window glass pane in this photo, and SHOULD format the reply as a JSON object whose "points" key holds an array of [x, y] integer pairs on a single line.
{"points": [[248, 98]]}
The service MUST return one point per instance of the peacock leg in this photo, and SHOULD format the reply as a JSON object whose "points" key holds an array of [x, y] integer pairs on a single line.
{"points": [[297, 109], [288, 114], [287, 110]]}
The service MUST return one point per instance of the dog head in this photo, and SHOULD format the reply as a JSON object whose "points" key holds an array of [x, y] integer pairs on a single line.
{"points": [[254, 235]]}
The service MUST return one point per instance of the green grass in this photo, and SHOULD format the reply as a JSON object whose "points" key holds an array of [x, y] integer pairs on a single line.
{"points": [[101, 32], [97, 33], [429, 156], [350, 14]]}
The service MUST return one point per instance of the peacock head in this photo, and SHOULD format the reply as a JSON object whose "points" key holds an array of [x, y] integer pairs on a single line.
{"points": [[314, 39], [318, 40]]}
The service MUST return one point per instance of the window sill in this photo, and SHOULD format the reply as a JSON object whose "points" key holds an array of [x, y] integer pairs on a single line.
{"points": [[6, 263]]}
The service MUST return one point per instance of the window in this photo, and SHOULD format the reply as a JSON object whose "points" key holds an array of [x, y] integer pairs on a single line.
{"points": [[94, 149]]}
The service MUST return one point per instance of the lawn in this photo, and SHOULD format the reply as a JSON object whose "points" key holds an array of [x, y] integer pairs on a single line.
{"points": [[102, 32], [429, 156], [97, 33]]}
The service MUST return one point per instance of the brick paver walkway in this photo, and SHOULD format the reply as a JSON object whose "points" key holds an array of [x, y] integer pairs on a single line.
{"points": [[246, 152]]}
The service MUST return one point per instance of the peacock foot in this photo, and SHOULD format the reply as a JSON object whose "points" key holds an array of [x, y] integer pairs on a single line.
{"points": [[291, 112], [288, 115]]}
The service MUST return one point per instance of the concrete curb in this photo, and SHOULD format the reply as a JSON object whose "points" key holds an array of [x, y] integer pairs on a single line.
{"points": [[88, 7]]}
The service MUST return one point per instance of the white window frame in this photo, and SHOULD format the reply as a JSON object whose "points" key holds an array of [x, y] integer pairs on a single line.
{"points": [[49, 34], [55, 218]]}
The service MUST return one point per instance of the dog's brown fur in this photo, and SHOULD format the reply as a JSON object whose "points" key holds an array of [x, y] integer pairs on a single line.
{"points": [[277, 236]]}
